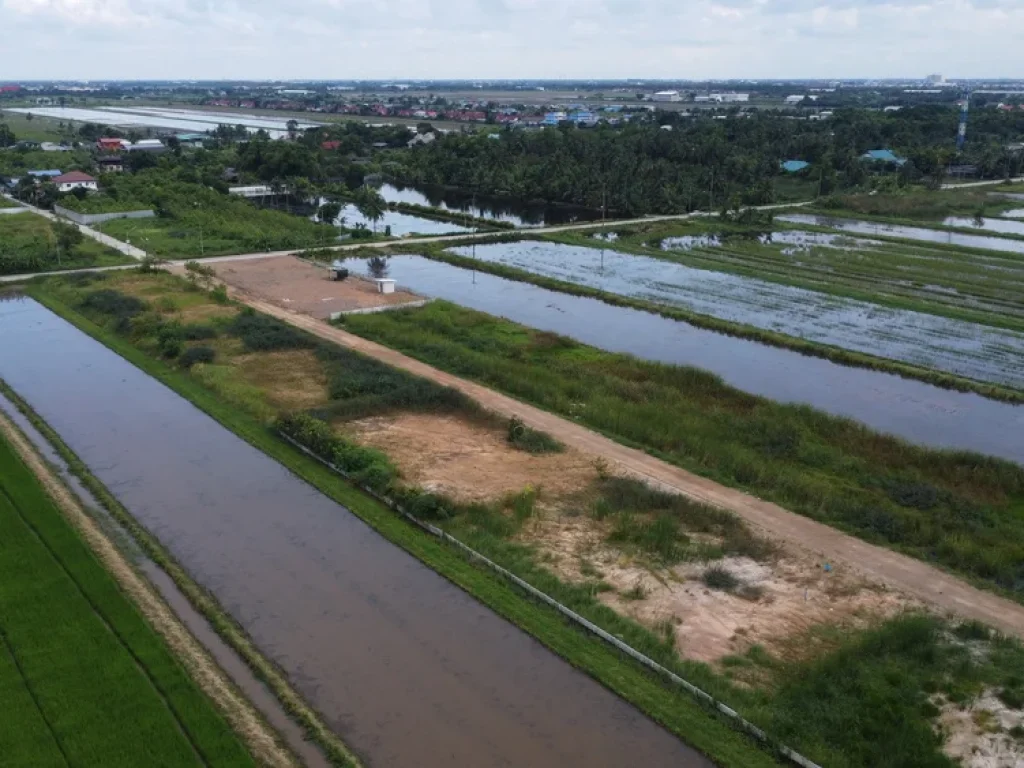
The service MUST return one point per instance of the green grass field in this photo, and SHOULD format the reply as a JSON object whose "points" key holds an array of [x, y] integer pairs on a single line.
{"points": [[28, 244], [5, 203], [37, 129], [84, 680]]}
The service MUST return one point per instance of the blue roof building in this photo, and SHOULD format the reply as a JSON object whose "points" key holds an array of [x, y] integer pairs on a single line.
{"points": [[795, 166], [51, 174], [882, 156]]}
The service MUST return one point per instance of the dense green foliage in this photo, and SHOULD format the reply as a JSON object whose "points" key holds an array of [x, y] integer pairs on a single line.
{"points": [[30, 243], [703, 162], [86, 681], [828, 468]]}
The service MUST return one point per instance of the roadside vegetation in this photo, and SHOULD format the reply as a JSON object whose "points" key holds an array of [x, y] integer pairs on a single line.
{"points": [[86, 681], [898, 678], [30, 243]]}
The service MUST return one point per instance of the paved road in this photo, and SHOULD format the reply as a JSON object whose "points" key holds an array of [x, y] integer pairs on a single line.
{"points": [[900, 572]]}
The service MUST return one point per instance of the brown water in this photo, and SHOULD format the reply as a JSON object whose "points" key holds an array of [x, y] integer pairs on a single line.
{"points": [[261, 697], [404, 666]]}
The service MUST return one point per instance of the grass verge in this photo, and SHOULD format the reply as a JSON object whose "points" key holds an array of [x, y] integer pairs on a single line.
{"points": [[676, 711]]}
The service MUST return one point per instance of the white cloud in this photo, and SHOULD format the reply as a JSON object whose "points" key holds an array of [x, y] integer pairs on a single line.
{"points": [[509, 38]]}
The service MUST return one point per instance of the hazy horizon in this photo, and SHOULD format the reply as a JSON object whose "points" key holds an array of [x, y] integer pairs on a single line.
{"points": [[510, 39]]}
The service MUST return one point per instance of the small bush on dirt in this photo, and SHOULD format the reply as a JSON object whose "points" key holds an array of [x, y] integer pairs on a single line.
{"points": [[195, 355], [531, 440], [972, 630], [1017, 732], [260, 333], [659, 536], [1012, 697], [220, 294], [717, 577], [637, 592]]}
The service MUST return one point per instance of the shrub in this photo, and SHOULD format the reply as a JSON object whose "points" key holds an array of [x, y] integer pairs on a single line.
{"points": [[170, 347], [198, 332], [717, 577], [260, 333], [114, 303], [195, 355], [531, 440], [1012, 697], [220, 294]]}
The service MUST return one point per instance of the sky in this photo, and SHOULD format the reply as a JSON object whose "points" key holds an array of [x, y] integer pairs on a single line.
{"points": [[468, 39]]}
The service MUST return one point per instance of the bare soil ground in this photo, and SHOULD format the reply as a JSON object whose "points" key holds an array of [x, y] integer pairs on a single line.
{"points": [[978, 736], [916, 579], [468, 461], [295, 284], [293, 379], [471, 462]]}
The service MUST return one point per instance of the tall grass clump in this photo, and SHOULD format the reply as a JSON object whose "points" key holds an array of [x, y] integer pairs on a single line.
{"points": [[261, 333], [531, 440]]}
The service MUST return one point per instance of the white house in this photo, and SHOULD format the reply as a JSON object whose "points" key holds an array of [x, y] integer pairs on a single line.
{"points": [[75, 180]]}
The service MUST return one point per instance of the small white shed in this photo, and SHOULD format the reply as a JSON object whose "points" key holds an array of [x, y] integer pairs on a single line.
{"points": [[385, 285]]}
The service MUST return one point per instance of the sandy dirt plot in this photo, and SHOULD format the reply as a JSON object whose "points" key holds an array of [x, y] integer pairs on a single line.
{"points": [[468, 461], [298, 285]]}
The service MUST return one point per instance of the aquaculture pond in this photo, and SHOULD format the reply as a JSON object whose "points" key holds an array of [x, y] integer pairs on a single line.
{"points": [[967, 349], [909, 233], [404, 665], [401, 224], [495, 208], [913, 410]]}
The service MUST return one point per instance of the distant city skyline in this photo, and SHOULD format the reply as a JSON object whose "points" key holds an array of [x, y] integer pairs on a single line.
{"points": [[555, 39]]}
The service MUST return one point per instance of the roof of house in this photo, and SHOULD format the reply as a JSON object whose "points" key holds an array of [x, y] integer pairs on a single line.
{"points": [[883, 156], [109, 140], [330, 144], [191, 137], [794, 166], [73, 177], [43, 174]]}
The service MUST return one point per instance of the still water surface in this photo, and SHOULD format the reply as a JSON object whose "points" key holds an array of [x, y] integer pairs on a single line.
{"points": [[406, 667]]}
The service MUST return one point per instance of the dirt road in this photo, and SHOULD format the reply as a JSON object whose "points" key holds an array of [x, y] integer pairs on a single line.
{"points": [[913, 577]]}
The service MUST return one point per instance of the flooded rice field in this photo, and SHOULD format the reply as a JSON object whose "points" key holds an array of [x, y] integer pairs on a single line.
{"points": [[493, 207], [909, 233], [913, 410], [1013, 213], [989, 224], [966, 349], [404, 666]]}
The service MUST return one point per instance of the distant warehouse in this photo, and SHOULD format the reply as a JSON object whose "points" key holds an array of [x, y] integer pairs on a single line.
{"points": [[667, 96]]}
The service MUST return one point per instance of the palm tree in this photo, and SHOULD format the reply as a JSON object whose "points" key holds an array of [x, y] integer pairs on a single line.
{"points": [[371, 205]]}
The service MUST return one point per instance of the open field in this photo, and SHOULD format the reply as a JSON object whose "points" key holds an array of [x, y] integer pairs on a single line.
{"points": [[98, 687], [838, 668], [922, 205], [966, 350], [919, 501], [5, 203], [302, 286], [37, 129], [28, 243]]}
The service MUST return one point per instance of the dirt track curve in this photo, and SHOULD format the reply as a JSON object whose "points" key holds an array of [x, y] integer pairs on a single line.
{"points": [[913, 577]]}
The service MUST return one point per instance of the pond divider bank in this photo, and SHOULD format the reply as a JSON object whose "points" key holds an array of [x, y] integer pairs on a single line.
{"points": [[835, 354], [704, 698], [160, 561]]}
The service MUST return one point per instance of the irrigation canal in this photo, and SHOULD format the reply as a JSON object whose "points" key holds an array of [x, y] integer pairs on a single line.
{"points": [[916, 411], [404, 666]]}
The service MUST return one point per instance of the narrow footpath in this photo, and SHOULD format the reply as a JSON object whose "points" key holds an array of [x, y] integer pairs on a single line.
{"points": [[913, 577]]}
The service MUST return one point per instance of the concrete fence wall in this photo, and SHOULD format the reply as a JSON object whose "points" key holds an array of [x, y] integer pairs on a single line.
{"points": [[98, 218]]}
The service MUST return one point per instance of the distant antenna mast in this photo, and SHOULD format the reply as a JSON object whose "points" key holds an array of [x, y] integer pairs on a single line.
{"points": [[961, 134]]}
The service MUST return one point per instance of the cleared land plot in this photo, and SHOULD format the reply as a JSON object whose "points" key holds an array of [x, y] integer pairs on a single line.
{"points": [[962, 348], [84, 680], [28, 243], [296, 284]]}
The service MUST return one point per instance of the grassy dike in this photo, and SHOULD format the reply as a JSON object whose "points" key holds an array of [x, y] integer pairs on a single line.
{"points": [[827, 352], [673, 709]]}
